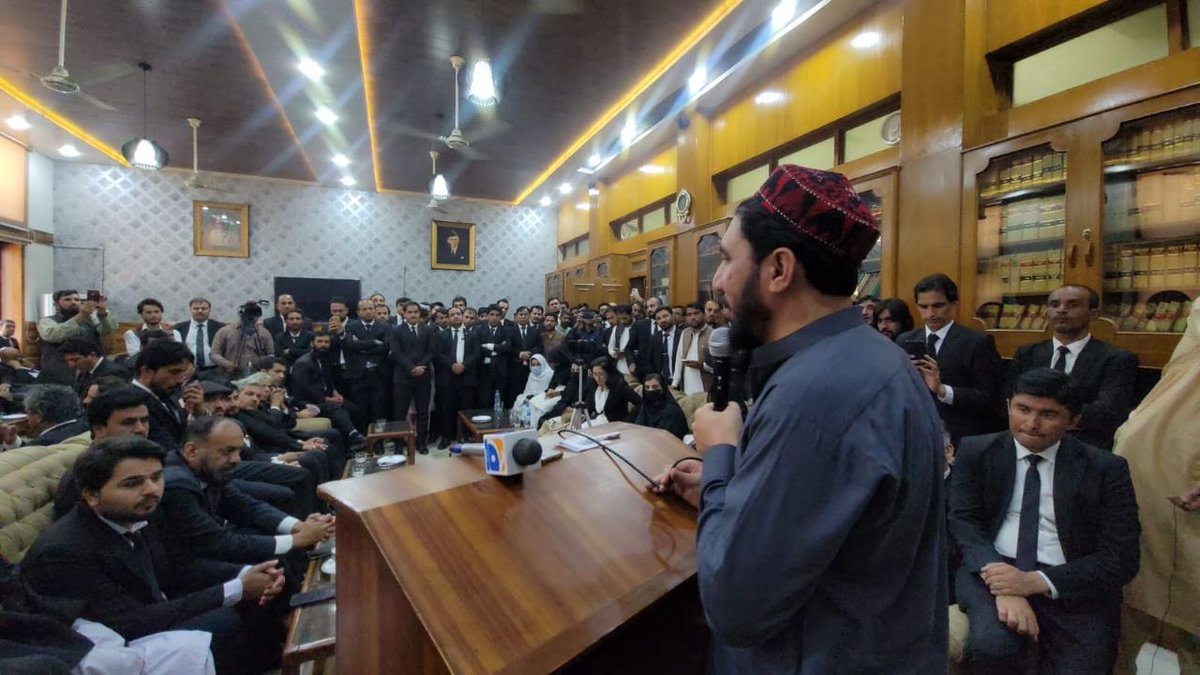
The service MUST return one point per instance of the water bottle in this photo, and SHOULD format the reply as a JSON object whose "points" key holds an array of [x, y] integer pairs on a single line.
{"points": [[527, 414], [497, 409]]}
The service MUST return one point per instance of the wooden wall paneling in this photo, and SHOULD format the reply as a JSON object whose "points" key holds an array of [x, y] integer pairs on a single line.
{"points": [[984, 106], [12, 283], [693, 171], [1011, 21], [746, 129], [572, 222], [1085, 204], [14, 189], [930, 186], [683, 270], [635, 190]]}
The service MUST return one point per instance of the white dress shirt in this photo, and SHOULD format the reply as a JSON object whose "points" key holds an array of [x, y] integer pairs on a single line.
{"points": [[1073, 350], [459, 344], [601, 399], [194, 330], [948, 396], [1049, 548], [133, 345]]}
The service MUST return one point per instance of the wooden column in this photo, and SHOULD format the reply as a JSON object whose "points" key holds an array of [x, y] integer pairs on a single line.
{"points": [[931, 141]]}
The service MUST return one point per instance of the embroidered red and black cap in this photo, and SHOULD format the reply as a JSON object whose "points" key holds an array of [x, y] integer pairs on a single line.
{"points": [[824, 206]]}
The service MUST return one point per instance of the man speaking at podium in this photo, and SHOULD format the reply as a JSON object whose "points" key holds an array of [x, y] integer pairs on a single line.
{"points": [[820, 542]]}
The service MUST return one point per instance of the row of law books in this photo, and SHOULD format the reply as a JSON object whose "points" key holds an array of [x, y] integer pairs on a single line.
{"points": [[1166, 316]]}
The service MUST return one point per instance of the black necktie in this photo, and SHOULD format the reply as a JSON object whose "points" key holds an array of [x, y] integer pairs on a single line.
{"points": [[143, 563], [199, 348], [1061, 364], [1027, 531], [931, 344]]}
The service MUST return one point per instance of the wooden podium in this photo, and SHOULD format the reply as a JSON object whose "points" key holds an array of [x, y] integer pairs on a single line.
{"points": [[444, 569]]}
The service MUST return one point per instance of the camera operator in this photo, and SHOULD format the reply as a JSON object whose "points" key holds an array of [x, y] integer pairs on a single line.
{"points": [[237, 347]]}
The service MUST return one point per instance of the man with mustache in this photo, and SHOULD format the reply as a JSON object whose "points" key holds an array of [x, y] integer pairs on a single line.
{"points": [[89, 319], [820, 544]]}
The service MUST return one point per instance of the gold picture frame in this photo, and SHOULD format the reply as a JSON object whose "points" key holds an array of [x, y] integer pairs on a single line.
{"points": [[221, 229], [445, 256]]}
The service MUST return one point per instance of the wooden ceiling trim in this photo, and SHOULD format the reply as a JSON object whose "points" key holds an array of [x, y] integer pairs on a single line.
{"points": [[61, 121]]}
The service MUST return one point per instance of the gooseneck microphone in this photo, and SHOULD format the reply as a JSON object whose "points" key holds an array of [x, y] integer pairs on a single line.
{"points": [[720, 356]]}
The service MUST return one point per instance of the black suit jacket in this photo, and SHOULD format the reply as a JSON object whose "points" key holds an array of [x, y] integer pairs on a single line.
{"points": [[311, 381], [168, 420], [444, 356], [81, 558], [409, 351], [1094, 506], [503, 347], [291, 348], [105, 368], [1103, 374], [659, 358], [198, 514], [531, 343], [641, 347], [268, 433], [60, 434], [969, 363], [185, 327], [361, 343], [10, 342], [616, 409]]}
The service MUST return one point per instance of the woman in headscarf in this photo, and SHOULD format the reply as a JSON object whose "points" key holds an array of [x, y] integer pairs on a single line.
{"points": [[536, 387], [659, 409]]}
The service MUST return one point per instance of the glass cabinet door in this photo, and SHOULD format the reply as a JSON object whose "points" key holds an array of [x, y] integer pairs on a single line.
{"points": [[870, 273], [1020, 236], [708, 258], [1152, 222], [660, 273]]}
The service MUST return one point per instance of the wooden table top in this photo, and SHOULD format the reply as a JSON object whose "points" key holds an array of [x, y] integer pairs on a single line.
{"points": [[522, 576]]}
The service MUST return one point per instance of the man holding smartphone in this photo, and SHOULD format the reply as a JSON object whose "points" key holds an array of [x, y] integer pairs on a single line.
{"points": [[89, 319]]}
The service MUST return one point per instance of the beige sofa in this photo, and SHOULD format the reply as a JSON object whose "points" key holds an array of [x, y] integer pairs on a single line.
{"points": [[27, 477]]}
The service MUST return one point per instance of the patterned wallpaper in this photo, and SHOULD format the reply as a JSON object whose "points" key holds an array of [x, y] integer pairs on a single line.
{"points": [[143, 221]]}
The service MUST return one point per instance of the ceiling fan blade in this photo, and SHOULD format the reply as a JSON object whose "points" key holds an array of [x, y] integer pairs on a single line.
{"points": [[406, 130], [94, 101], [471, 154], [106, 73], [489, 129]]}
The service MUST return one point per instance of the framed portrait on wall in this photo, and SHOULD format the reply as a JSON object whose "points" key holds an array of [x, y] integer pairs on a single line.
{"points": [[221, 229], [452, 246]]}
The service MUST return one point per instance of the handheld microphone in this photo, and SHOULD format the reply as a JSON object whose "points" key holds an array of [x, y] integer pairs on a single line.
{"points": [[511, 453], [720, 353], [463, 449]]}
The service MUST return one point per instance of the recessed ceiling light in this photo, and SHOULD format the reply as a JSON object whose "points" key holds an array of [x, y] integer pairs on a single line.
{"points": [[594, 160], [628, 132], [594, 191], [768, 97], [348, 181], [70, 151], [583, 206], [341, 160], [865, 40], [326, 115], [783, 14], [18, 122], [545, 201], [311, 69], [652, 169], [698, 79], [566, 188]]}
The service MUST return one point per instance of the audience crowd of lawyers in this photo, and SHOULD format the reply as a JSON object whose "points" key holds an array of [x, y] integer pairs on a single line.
{"points": [[193, 507]]}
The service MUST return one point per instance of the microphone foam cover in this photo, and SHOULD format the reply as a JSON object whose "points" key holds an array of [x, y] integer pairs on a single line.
{"points": [[527, 452], [719, 344]]}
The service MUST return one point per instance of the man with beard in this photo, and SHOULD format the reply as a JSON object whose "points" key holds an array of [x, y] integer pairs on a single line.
{"points": [[295, 341], [892, 318], [151, 311], [162, 368], [278, 323], [105, 560], [642, 334], [820, 543], [203, 507], [88, 319], [690, 374], [313, 384]]}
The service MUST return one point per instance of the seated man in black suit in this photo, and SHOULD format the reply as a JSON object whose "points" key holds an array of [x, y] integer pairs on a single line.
{"points": [[1103, 375], [960, 366], [270, 442], [203, 508], [1048, 529], [87, 358], [162, 369], [313, 384], [456, 357], [296, 340], [106, 561], [54, 414]]}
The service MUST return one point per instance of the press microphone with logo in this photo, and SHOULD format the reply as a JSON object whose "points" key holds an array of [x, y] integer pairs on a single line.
{"points": [[720, 356], [511, 453]]}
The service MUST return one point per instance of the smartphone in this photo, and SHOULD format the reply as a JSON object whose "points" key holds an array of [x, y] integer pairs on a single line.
{"points": [[915, 348], [93, 295], [313, 597]]}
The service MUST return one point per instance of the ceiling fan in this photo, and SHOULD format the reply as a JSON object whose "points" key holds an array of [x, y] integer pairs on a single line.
{"points": [[60, 81], [457, 140], [198, 180]]}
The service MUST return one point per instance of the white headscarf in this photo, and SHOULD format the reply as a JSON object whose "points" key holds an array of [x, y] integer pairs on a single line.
{"points": [[540, 374]]}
